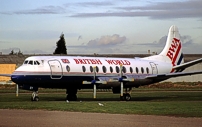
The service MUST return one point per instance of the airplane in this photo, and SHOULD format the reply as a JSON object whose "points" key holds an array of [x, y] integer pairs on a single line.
{"points": [[75, 72]]}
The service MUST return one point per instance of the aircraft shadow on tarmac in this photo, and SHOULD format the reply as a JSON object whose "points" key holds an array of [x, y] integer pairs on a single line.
{"points": [[170, 97], [109, 99]]}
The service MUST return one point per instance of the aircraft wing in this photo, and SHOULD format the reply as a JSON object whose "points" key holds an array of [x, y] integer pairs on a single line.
{"points": [[188, 64], [170, 75], [5, 75]]}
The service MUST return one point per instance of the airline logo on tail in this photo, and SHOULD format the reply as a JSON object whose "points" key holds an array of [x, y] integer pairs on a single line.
{"points": [[174, 52], [174, 49]]}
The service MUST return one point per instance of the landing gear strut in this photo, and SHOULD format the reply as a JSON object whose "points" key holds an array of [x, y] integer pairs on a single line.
{"points": [[71, 94], [35, 96]]}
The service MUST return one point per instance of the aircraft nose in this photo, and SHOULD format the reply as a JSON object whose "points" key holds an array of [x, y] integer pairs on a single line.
{"points": [[14, 78]]}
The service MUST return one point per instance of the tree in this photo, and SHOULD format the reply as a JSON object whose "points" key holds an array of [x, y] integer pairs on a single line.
{"points": [[11, 53], [61, 46], [19, 52]]}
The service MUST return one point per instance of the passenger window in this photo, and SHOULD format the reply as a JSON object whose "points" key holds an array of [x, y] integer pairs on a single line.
{"points": [[84, 68], [68, 68], [91, 69], [131, 70], [30, 62], [111, 69], [137, 70], [147, 69], [142, 70], [97, 69], [104, 69], [117, 69], [124, 69]]}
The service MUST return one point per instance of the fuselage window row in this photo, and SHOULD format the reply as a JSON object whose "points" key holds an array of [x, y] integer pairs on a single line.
{"points": [[117, 68]]}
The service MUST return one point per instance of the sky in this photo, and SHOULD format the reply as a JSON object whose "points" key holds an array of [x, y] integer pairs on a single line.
{"points": [[102, 27]]}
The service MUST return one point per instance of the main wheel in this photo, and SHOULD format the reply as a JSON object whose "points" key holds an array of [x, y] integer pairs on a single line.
{"points": [[127, 97], [36, 98]]}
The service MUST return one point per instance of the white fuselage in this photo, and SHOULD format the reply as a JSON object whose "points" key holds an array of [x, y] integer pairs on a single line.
{"points": [[63, 70]]}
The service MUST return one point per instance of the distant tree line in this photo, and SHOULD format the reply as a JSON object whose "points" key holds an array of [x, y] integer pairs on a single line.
{"points": [[16, 53], [60, 47]]}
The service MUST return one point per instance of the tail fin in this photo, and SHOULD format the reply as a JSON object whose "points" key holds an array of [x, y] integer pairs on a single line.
{"points": [[173, 47]]}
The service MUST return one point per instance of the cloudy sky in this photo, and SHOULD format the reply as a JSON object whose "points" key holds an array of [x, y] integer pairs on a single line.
{"points": [[104, 26]]}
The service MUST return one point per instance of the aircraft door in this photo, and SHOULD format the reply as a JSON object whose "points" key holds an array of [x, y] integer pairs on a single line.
{"points": [[154, 68], [56, 69]]}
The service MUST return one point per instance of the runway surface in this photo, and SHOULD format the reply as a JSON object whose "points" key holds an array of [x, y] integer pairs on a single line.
{"points": [[40, 118]]}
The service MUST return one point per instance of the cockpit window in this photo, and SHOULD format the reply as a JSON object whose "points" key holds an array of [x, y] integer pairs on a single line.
{"points": [[30, 62], [37, 62], [26, 61]]}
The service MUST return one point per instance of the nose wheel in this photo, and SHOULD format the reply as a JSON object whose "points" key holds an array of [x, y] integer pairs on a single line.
{"points": [[35, 96]]}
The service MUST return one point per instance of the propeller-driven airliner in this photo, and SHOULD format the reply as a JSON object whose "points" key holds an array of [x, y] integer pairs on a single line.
{"points": [[119, 74]]}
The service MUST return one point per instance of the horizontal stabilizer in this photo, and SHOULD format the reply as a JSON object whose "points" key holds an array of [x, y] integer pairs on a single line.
{"points": [[170, 75], [188, 64]]}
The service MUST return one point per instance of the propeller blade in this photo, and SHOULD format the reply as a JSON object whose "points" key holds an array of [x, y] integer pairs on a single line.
{"points": [[121, 89], [121, 76], [94, 90]]}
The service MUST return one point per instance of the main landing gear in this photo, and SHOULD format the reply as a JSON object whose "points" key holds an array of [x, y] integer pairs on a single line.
{"points": [[126, 96], [71, 94], [35, 96]]}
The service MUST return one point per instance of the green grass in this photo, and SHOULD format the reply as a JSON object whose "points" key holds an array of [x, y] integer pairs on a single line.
{"points": [[169, 103]]}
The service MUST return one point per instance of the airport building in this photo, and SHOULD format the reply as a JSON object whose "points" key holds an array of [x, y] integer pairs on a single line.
{"points": [[8, 63]]}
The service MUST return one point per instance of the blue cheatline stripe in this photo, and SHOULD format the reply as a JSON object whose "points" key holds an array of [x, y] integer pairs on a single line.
{"points": [[180, 59]]}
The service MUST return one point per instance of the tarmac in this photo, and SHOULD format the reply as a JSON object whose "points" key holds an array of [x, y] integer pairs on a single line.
{"points": [[41, 118]]}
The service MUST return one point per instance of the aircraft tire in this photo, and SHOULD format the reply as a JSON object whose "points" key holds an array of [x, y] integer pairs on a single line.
{"points": [[127, 97], [35, 98]]}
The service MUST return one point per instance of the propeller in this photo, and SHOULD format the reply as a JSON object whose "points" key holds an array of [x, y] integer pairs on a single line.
{"points": [[94, 81], [121, 79]]}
